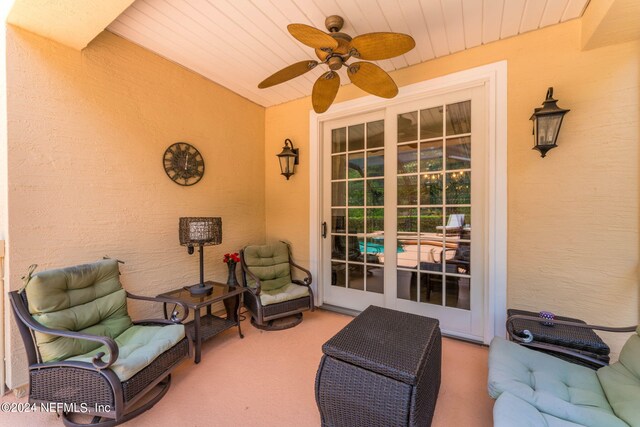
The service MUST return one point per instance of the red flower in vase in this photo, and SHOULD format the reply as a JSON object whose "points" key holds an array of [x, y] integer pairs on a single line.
{"points": [[234, 257]]}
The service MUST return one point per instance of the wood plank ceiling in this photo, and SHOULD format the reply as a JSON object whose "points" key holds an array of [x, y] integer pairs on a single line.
{"points": [[238, 43]]}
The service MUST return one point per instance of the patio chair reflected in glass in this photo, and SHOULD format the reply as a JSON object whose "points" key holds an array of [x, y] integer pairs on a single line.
{"points": [[454, 226]]}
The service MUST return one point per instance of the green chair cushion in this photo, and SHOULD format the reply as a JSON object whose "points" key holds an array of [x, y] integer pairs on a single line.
{"points": [[270, 264], [87, 298], [510, 411], [553, 386], [286, 293], [138, 346], [621, 382]]}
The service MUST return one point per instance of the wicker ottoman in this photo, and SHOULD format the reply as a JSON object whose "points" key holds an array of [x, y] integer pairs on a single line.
{"points": [[382, 369]]}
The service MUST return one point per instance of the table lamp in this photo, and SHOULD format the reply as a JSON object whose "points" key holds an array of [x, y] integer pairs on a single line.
{"points": [[200, 231]]}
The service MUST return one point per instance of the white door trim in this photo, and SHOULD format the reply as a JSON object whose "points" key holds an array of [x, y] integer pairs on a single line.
{"points": [[495, 77]]}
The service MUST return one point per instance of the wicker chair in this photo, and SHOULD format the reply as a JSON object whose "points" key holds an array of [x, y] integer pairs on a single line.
{"points": [[272, 293], [69, 319]]}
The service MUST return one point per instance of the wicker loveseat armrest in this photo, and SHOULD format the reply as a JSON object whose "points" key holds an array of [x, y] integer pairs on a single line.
{"points": [[552, 322], [575, 345], [25, 318], [172, 319]]}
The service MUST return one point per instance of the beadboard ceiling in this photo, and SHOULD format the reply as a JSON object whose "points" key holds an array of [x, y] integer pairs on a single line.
{"points": [[238, 43]]}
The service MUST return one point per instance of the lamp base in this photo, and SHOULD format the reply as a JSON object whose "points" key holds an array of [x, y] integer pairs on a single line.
{"points": [[200, 290]]}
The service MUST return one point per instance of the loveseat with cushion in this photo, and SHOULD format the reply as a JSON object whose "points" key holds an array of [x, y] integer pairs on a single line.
{"points": [[536, 389]]}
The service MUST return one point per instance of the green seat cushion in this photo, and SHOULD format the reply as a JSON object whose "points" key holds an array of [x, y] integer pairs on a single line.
{"points": [[621, 382], [87, 298], [510, 411], [270, 264], [286, 293], [138, 346], [553, 386]]}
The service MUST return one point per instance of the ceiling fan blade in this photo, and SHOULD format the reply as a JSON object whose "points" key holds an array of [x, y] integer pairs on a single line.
{"points": [[324, 91], [375, 46], [287, 73], [312, 37], [373, 79]]}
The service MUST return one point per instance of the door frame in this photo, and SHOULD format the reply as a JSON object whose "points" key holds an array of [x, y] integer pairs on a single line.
{"points": [[494, 78]]}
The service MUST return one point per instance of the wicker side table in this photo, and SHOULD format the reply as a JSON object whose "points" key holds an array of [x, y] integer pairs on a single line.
{"points": [[382, 369]]}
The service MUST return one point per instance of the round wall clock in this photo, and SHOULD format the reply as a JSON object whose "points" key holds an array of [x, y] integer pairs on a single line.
{"points": [[183, 163]]}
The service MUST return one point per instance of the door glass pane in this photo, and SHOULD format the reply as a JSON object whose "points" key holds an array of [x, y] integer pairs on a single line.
{"points": [[375, 134], [356, 137], [407, 285], [375, 192], [458, 292], [338, 274], [431, 189], [408, 158], [338, 224], [356, 221], [459, 118], [356, 165], [459, 188], [375, 163], [408, 127], [339, 140], [375, 280], [356, 193], [356, 276], [431, 223], [375, 221], [431, 156], [338, 247], [430, 287], [338, 167], [338, 194], [459, 153], [408, 190], [407, 221], [431, 123]]}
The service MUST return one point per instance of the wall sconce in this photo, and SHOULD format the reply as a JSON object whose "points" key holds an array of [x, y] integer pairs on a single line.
{"points": [[288, 158], [546, 124]]}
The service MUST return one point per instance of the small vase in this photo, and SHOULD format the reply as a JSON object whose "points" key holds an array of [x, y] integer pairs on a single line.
{"points": [[231, 280]]}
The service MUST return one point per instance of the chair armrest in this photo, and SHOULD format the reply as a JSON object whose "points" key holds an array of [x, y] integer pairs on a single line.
{"points": [[258, 288], [305, 281], [98, 363], [164, 300], [529, 337]]}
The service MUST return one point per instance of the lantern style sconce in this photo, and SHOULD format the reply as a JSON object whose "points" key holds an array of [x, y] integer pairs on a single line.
{"points": [[546, 124], [288, 158]]}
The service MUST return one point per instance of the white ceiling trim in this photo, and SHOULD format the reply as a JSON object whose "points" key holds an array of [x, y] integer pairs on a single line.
{"points": [[238, 43]]}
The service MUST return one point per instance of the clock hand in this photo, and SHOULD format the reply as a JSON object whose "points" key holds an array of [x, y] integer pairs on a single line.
{"points": [[186, 161]]}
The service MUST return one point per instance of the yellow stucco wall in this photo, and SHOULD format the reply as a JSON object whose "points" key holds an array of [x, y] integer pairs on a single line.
{"points": [[573, 216], [87, 132]]}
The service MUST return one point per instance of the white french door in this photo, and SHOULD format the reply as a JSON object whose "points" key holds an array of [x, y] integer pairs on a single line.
{"points": [[404, 199]]}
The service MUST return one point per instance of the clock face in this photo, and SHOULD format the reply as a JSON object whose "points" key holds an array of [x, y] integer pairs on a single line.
{"points": [[183, 163]]}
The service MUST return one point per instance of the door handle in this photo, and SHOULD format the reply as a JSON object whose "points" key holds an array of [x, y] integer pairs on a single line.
{"points": [[324, 230]]}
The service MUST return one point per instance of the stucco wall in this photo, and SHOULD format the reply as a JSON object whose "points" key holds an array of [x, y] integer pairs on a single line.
{"points": [[87, 131], [573, 216]]}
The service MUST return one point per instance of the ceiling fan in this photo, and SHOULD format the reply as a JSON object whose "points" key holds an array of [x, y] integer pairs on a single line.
{"points": [[335, 49]]}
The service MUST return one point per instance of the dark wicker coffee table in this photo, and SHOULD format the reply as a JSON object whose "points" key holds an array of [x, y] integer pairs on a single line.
{"points": [[382, 369]]}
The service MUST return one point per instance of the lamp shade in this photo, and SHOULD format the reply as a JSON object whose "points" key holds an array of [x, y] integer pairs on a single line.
{"points": [[200, 231]]}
